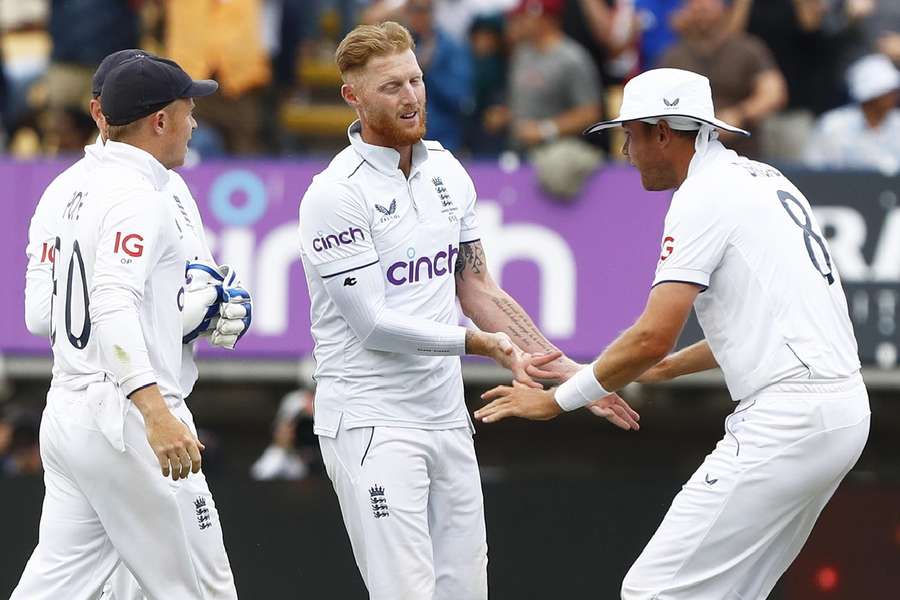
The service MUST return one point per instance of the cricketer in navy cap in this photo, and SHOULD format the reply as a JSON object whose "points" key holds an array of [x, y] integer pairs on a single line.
{"points": [[142, 85], [111, 62]]}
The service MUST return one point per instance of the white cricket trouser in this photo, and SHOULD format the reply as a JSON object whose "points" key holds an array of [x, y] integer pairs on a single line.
{"points": [[412, 505], [210, 560], [744, 515], [102, 506]]}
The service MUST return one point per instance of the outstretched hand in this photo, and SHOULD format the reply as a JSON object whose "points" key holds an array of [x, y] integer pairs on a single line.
{"points": [[555, 371], [615, 410], [518, 400], [520, 363], [523, 401]]}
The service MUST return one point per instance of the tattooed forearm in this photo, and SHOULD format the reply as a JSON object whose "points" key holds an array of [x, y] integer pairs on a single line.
{"points": [[489, 307], [520, 327], [471, 257]]}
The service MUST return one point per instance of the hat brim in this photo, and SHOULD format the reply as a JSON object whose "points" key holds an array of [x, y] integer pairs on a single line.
{"points": [[200, 88], [596, 127]]}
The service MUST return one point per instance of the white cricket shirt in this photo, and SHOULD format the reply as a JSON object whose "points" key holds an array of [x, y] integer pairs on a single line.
{"points": [[119, 275], [361, 210], [45, 224], [773, 306]]}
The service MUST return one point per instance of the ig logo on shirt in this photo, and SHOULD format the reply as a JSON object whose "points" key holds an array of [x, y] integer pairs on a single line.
{"points": [[668, 246], [129, 244]]}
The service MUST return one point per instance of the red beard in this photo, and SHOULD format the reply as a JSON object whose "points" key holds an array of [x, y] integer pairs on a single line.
{"points": [[390, 134]]}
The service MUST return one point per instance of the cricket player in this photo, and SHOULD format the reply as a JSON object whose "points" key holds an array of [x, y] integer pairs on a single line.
{"points": [[742, 247], [389, 243], [116, 327]]}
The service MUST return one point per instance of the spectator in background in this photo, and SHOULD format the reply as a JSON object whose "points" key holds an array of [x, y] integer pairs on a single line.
{"points": [[294, 448], [886, 25], [489, 74], [22, 455], [806, 40], [6, 430], [83, 34], [608, 30], [447, 68], [210, 38], [25, 58], [876, 28], [746, 84], [654, 19], [554, 94], [865, 134], [454, 16]]}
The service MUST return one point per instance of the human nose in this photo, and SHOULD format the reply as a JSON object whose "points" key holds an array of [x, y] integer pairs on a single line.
{"points": [[408, 95]]}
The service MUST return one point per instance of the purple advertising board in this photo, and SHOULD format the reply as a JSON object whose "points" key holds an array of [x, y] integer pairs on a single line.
{"points": [[582, 270]]}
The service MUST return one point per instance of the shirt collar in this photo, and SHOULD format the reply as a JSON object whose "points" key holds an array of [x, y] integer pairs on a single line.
{"points": [[385, 160], [702, 159], [135, 158], [95, 150]]}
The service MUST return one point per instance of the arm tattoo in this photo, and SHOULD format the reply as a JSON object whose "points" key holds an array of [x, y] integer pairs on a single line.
{"points": [[471, 257], [520, 326]]}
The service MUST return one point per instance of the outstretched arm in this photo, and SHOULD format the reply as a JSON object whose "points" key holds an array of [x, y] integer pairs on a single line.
{"points": [[693, 359], [492, 309], [643, 345]]}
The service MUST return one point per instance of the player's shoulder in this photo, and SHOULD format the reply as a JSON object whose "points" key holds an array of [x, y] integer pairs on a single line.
{"points": [[346, 165], [335, 185], [441, 158], [345, 171], [68, 181], [110, 189], [176, 183], [434, 146], [704, 191]]}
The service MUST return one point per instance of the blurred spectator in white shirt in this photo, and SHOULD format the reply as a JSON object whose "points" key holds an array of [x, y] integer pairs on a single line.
{"points": [[284, 458], [865, 134]]}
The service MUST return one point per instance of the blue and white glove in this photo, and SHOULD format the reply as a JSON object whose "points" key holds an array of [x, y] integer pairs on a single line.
{"points": [[203, 295], [235, 311]]}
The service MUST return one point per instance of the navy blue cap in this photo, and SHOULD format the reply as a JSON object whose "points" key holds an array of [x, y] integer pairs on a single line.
{"points": [[142, 85], [111, 62]]}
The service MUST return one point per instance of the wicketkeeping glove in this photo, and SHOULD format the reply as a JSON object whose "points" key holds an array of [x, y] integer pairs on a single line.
{"points": [[235, 311], [203, 295]]}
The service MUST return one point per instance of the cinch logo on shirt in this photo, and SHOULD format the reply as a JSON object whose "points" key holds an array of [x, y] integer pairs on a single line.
{"points": [[335, 240], [423, 268]]}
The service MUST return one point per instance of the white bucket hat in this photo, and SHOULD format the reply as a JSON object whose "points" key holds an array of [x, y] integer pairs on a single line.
{"points": [[664, 93], [872, 76]]}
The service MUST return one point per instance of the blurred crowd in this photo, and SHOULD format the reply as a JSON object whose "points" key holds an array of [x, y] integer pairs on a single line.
{"points": [[814, 80]]}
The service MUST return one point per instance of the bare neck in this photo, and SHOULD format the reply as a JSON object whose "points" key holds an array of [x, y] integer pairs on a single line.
{"points": [[682, 163]]}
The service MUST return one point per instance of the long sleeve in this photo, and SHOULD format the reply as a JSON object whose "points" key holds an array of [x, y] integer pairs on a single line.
{"points": [[336, 235], [39, 272], [130, 244], [379, 327]]}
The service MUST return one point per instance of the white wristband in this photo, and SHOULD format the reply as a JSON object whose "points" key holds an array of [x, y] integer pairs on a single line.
{"points": [[580, 390]]}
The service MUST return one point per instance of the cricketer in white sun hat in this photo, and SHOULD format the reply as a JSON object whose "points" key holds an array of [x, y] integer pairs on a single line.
{"points": [[681, 97]]}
